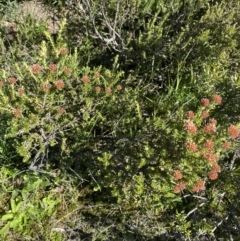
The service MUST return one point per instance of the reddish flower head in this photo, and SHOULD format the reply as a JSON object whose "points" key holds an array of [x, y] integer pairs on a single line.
{"points": [[1, 83], [17, 113], [213, 121], [67, 71], [200, 185], [61, 111], [177, 175], [217, 99], [52, 67], [63, 51], [12, 80], [97, 75], [209, 144], [191, 146], [98, 89], [213, 175], [179, 187], [195, 188], [85, 79], [108, 90], [45, 87], [233, 131], [209, 128], [119, 87], [205, 114], [21, 91], [190, 127], [36, 69], [216, 168], [226, 145], [211, 157], [176, 189], [205, 102], [59, 84], [190, 114]]}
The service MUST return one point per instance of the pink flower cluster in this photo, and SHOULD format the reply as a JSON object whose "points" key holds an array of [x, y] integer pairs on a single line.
{"points": [[233, 131], [213, 174], [199, 186], [217, 99], [190, 127], [179, 187]]}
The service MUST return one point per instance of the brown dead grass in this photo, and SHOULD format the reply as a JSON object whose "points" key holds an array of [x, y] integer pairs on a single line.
{"points": [[36, 10]]}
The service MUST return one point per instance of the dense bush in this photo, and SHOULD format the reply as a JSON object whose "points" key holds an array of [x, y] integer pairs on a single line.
{"points": [[158, 41], [137, 136]]}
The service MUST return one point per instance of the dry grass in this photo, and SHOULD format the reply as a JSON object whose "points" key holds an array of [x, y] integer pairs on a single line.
{"points": [[39, 13], [36, 10]]}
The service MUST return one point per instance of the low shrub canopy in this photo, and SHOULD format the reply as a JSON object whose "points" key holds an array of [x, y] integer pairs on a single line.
{"points": [[127, 108]]}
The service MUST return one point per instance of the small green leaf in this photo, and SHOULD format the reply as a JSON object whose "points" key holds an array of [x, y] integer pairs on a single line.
{"points": [[96, 188], [7, 216], [13, 205], [4, 230]]}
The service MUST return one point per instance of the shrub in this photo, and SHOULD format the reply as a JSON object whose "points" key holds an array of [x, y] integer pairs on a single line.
{"points": [[158, 42], [154, 157]]}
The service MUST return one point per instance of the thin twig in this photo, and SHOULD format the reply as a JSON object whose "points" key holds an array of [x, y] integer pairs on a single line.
{"points": [[219, 223], [195, 209], [236, 156]]}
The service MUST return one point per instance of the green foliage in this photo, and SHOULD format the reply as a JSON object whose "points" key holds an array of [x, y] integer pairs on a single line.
{"points": [[173, 41], [25, 203], [125, 118]]}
